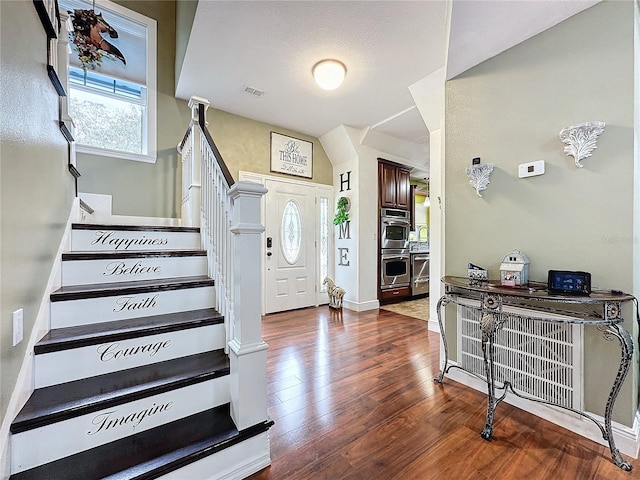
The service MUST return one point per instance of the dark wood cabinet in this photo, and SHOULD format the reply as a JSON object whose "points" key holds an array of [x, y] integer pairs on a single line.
{"points": [[387, 181], [394, 295], [394, 191], [394, 185], [403, 197]]}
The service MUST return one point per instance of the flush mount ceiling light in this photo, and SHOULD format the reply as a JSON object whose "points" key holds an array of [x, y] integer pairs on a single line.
{"points": [[329, 74]]}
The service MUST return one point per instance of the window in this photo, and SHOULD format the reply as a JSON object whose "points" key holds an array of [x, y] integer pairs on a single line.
{"points": [[108, 114], [112, 97], [324, 242]]}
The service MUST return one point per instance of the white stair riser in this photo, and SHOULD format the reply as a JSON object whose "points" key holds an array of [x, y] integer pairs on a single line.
{"points": [[127, 241], [70, 313], [88, 272], [238, 461], [77, 363], [38, 446]]}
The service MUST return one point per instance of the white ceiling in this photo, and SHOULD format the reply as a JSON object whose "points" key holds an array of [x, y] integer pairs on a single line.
{"points": [[387, 46]]}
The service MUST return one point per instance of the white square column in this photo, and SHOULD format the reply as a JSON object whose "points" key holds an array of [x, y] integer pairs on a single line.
{"points": [[247, 350]]}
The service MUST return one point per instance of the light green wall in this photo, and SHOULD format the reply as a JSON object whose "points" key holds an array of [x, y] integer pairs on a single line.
{"points": [[153, 190], [36, 189], [137, 188], [185, 12], [246, 145], [509, 110]]}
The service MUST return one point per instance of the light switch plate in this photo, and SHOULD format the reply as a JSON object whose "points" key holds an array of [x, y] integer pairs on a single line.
{"points": [[18, 320], [531, 169]]}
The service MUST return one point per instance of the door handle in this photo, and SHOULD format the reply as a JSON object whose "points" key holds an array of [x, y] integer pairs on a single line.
{"points": [[269, 254]]}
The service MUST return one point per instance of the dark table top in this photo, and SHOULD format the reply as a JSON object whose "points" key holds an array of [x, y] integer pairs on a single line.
{"points": [[535, 290]]}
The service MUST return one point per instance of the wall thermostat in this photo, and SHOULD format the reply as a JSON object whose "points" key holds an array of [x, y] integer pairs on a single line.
{"points": [[531, 169]]}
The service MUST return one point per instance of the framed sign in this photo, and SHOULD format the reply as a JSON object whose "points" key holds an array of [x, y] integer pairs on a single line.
{"points": [[291, 156]]}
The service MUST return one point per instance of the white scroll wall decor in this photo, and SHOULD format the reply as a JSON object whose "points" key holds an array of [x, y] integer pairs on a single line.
{"points": [[581, 140], [479, 176]]}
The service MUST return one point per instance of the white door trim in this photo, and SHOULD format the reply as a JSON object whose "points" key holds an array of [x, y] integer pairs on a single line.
{"points": [[321, 189]]}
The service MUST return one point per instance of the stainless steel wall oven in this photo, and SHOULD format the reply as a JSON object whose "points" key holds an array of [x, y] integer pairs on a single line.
{"points": [[395, 268], [394, 228]]}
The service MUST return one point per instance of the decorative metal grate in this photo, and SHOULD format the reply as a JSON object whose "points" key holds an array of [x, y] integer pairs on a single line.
{"points": [[539, 359]]}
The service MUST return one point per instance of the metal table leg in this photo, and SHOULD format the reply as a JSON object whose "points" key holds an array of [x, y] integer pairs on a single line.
{"points": [[487, 325], [626, 347], [441, 303]]}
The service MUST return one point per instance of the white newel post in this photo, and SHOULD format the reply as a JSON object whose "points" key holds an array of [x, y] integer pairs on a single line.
{"points": [[191, 167], [247, 350]]}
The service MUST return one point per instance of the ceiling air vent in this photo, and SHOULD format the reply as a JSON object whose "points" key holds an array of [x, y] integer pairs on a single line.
{"points": [[253, 91]]}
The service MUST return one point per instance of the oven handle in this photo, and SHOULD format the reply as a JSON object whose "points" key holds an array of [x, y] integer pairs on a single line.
{"points": [[396, 257], [420, 258], [395, 222]]}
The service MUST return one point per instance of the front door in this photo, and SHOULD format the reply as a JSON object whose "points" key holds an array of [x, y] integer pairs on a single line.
{"points": [[290, 233]]}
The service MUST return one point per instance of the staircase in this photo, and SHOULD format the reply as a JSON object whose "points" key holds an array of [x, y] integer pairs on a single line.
{"points": [[132, 381]]}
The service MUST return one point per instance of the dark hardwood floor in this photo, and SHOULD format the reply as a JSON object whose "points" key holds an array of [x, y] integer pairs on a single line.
{"points": [[353, 397]]}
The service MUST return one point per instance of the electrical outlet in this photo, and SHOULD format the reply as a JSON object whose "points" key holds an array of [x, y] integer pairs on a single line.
{"points": [[18, 320], [531, 169]]}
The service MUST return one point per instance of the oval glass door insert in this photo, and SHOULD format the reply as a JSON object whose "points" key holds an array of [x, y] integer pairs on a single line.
{"points": [[291, 232]]}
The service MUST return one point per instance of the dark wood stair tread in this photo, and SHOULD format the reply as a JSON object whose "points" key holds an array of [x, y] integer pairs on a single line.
{"points": [[116, 255], [59, 402], [134, 228], [152, 453], [81, 336], [80, 292]]}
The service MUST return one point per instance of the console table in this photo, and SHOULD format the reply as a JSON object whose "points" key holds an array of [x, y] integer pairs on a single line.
{"points": [[600, 309]]}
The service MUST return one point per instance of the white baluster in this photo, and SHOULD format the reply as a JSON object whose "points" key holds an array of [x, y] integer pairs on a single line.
{"points": [[231, 230]]}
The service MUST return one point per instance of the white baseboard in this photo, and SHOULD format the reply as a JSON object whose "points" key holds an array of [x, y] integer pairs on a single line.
{"points": [[433, 326], [627, 439], [25, 383], [100, 204], [153, 221], [361, 306]]}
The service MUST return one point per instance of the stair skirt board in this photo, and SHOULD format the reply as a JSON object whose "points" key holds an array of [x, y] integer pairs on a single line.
{"points": [[120, 307], [74, 364], [92, 238], [119, 267], [24, 382], [35, 447], [205, 445]]}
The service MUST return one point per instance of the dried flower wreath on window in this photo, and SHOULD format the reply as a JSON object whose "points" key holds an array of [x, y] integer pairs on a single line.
{"points": [[88, 27]]}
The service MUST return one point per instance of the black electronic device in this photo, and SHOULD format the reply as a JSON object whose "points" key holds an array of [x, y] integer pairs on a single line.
{"points": [[569, 283]]}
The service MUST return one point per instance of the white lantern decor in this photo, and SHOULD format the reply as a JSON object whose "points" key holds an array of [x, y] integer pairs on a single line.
{"points": [[514, 270]]}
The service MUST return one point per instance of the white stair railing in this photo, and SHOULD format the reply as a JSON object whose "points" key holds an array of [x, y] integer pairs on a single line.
{"points": [[228, 214]]}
